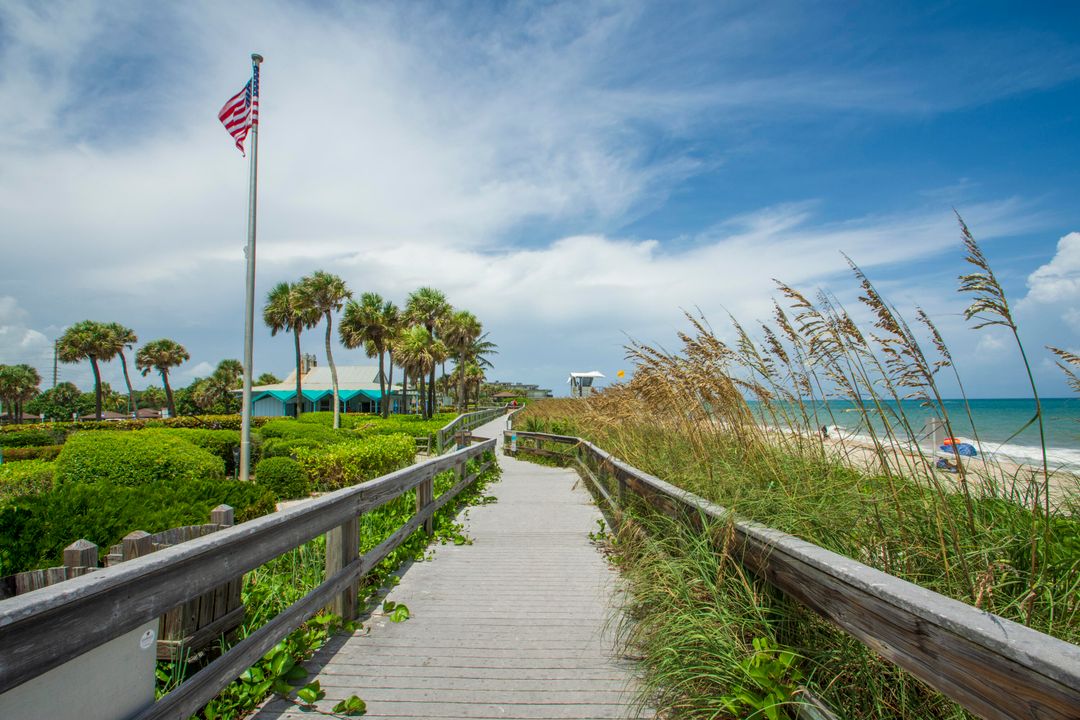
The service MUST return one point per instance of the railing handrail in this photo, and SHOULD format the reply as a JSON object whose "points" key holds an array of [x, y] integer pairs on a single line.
{"points": [[45, 628], [464, 419], [992, 666]]}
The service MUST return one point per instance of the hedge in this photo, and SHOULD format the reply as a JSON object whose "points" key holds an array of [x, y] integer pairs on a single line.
{"points": [[291, 429], [29, 436], [25, 478], [283, 477], [42, 452], [374, 424], [34, 529], [221, 443], [287, 447], [127, 458], [204, 422], [337, 466]]}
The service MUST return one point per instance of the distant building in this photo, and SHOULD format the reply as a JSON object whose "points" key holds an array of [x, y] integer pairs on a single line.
{"points": [[515, 389], [581, 383]]}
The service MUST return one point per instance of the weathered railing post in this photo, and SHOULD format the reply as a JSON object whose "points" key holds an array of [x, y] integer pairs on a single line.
{"points": [[137, 544], [425, 495], [342, 548], [222, 515], [81, 554]]}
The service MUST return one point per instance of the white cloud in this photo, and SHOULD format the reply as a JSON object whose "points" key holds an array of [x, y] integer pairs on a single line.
{"points": [[1059, 279], [18, 342]]}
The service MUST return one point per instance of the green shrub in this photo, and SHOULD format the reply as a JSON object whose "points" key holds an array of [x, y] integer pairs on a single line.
{"points": [[126, 458], [408, 424], [25, 478], [283, 477], [287, 447], [291, 429], [344, 464], [42, 452], [34, 529], [61, 429], [221, 443], [32, 436]]}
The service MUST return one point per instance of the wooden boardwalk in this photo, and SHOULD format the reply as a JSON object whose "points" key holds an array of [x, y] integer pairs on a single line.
{"points": [[516, 625]]}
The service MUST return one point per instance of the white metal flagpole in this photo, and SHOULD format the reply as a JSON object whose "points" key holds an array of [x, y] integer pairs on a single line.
{"points": [[249, 306]]}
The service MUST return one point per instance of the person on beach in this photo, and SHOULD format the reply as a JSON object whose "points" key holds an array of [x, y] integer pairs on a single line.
{"points": [[824, 432]]}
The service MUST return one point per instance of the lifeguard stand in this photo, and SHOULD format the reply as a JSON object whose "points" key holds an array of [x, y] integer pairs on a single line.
{"points": [[581, 383]]}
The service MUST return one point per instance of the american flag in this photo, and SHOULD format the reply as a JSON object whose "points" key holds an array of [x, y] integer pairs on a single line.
{"points": [[241, 111]]}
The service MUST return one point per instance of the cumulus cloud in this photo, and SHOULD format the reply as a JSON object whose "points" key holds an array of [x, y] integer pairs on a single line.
{"points": [[18, 342], [1059, 279]]}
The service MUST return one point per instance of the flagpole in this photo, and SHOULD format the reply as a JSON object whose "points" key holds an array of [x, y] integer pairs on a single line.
{"points": [[249, 306]]}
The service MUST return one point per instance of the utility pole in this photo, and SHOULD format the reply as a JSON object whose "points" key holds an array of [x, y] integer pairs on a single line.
{"points": [[55, 367]]}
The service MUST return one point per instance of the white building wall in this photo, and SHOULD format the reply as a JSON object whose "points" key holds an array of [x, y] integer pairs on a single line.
{"points": [[267, 407]]}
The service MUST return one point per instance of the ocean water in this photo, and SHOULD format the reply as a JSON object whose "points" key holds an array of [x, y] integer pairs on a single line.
{"points": [[999, 423]]}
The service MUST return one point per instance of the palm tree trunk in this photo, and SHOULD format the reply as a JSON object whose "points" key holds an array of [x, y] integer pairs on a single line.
{"points": [[404, 391], [333, 373], [299, 396], [97, 387], [390, 383], [168, 391], [423, 396], [382, 384], [133, 405]]}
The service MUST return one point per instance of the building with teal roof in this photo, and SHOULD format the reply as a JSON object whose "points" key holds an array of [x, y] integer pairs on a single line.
{"points": [[358, 392]]}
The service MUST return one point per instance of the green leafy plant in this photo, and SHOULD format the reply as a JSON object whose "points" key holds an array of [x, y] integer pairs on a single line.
{"points": [[126, 458], [28, 477], [344, 464], [771, 681], [351, 706], [282, 476], [397, 612], [42, 452]]}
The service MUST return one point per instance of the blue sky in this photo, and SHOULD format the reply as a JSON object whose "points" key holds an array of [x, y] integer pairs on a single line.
{"points": [[574, 173]]}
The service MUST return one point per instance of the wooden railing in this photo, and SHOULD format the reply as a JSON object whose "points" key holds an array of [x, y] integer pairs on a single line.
{"points": [[45, 628], [464, 422], [994, 667]]}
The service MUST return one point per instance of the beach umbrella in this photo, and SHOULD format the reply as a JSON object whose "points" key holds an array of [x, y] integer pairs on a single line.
{"points": [[949, 441], [964, 449]]}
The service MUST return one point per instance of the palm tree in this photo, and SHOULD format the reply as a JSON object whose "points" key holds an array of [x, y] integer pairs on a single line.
{"points": [[371, 323], [161, 355], [124, 337], [325, 293], [216, 390], [88, 340], [459, 331], [420, 354], [474, 376], [428, 306], [18, 385], [283, 312]]}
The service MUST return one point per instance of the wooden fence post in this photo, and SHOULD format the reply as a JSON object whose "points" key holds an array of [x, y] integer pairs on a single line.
{"points": [[81, 553], [136, 544], [425, 495], [342, 548], [222, 515]]}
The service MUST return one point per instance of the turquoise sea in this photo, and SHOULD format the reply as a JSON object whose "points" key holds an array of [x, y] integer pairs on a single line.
{"points": [[997, 422]]}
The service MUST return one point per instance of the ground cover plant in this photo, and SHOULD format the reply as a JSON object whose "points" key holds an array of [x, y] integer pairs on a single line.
{"points": [[271, 588], [1005, 539]]}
